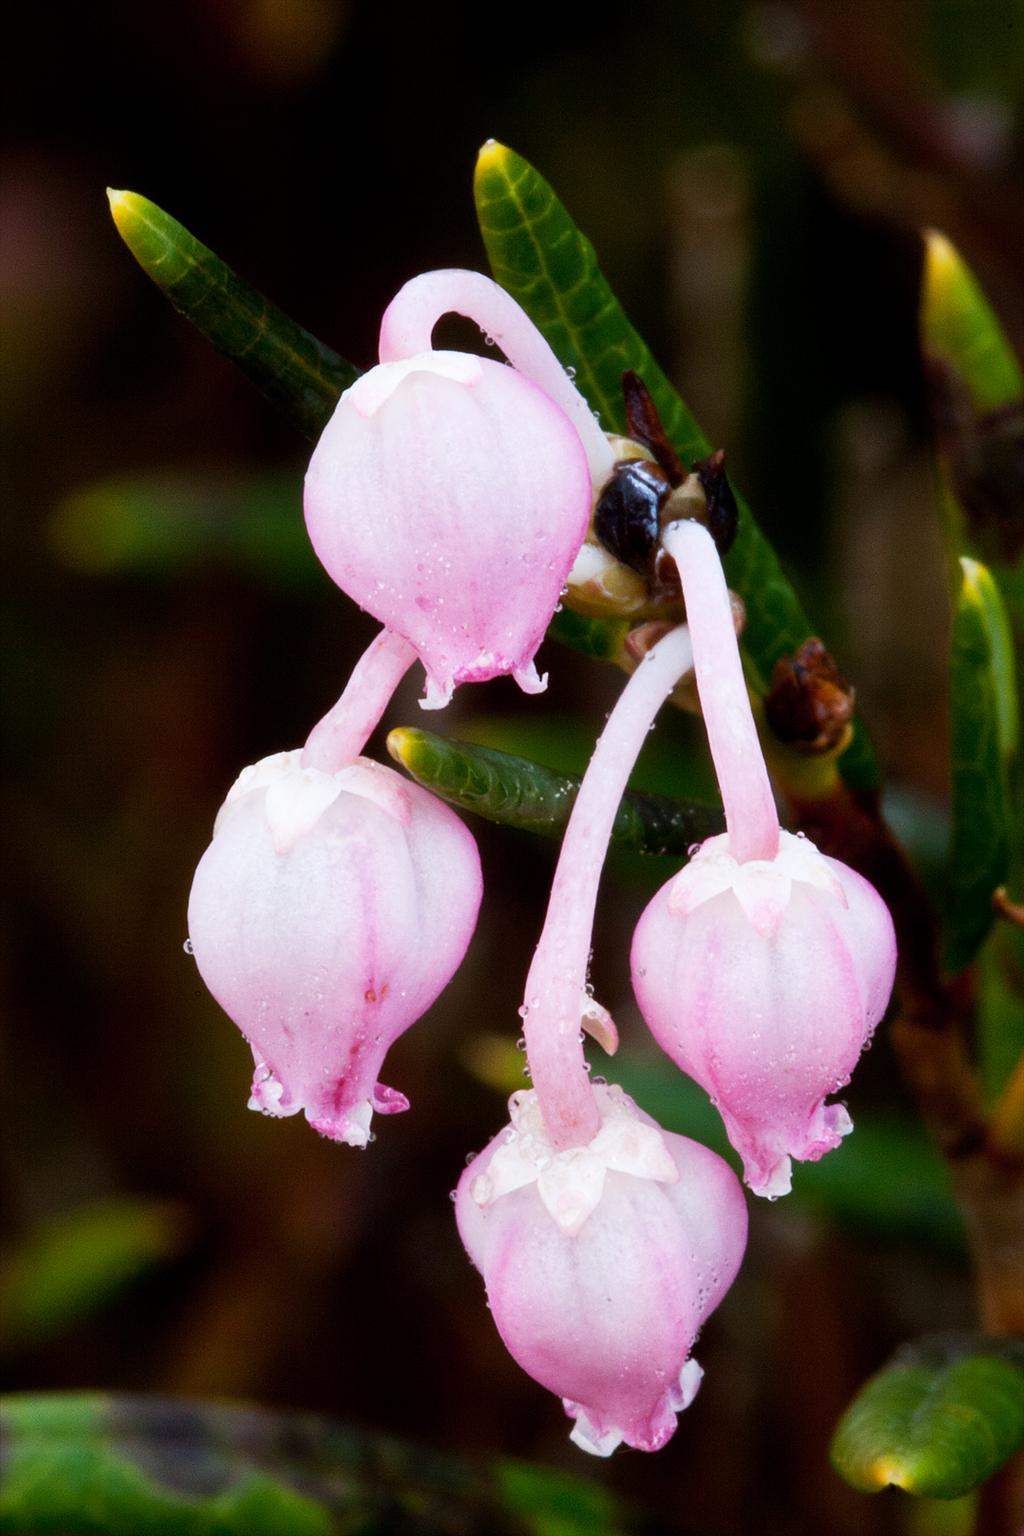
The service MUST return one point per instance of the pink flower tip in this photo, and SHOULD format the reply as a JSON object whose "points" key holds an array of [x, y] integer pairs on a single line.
{"points": [[764, 980], [601, 1262], [328, 913]]}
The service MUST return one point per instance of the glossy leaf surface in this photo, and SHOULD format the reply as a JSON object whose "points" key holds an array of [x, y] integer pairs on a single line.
{"points": [[292, 368], [984, 729], [937, 1421], [519, 793], [539, 255], [137, 1466]]}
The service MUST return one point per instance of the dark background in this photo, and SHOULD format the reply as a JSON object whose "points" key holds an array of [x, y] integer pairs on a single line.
{"points": [[754, 178]]}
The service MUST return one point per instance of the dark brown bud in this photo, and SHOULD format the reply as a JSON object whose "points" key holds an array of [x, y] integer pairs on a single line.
{"points": [[810, 702], [722, 514], [626, 515], [644, 426]]}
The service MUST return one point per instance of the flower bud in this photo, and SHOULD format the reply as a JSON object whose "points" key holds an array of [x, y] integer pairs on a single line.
{"points": [[326, 916], [602, 1261], [764, 980], [449, 496]]}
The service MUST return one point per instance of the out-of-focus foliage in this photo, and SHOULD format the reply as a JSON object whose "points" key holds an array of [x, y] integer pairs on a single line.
{"points": [[167, 525], [937, 1421], [124, 1466], [75, 1262]]}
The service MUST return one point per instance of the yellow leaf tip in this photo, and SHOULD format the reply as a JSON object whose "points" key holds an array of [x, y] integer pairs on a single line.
{"points": [[942, 259], [886, 1471], [399, 742], [121, 204]]}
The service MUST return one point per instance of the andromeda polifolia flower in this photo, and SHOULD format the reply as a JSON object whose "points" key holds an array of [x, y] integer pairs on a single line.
{"points": [[327, 914], [601, 1262], [449, 493], [763, 981], [763, 967]]}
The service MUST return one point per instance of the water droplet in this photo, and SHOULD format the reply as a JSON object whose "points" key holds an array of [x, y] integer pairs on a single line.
{"points": [[599, 1082], [187, 947], [453, 1195], [521, 1043], [471, 1157], [571, 371]]}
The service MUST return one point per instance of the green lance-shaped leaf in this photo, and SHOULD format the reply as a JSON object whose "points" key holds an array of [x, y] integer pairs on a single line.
{"points": [[137, 1466], [537, 253], [984, 738], [519, 793], [938, 1420], [960, 328], [977, 389], [292, 368]]}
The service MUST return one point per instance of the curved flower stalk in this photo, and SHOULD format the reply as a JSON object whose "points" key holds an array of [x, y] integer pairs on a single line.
{"points": [[332, 907], [449, 494], [604, 1242], [763, 967]]}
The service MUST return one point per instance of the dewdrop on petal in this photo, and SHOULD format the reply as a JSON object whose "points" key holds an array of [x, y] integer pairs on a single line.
{"points": [[449, 494], [327, 914], [601, 1262]]}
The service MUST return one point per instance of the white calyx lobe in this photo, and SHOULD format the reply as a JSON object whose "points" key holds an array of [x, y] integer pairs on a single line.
{"points": [[571, 1182], [296, 797], [761, 886]]}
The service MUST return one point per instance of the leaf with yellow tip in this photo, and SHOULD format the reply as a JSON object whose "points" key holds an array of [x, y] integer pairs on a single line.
{"points": [[937, 1421], [548, 265], [984, 729], [292, 368], [519, 793], [960, 329]]}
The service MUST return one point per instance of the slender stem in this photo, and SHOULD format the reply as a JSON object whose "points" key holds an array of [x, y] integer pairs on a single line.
{"points": [[750, 815], [408, 325], [342, 733], [558, 976]]}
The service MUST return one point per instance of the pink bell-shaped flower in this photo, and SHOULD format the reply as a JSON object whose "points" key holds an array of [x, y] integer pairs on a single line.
{"points": [[602, 1261], [764, 981], [763, 967], [449, 494], [326, 916]]}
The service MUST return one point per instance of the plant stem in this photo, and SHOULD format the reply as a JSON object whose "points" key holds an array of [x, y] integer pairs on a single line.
{"points": [[556, 984], [408, 325], [750, 815], [343, 732]]}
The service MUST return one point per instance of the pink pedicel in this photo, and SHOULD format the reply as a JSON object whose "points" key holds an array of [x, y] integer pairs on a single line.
{"points": [[763, 967], [326, 916], [449, 494], [602, 1262]]}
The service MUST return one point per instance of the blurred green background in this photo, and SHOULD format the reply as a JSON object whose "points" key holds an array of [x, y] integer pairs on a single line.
{"points": [[754, 177]]}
